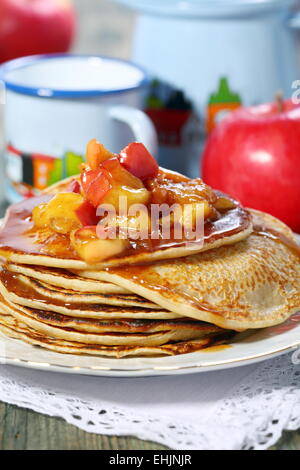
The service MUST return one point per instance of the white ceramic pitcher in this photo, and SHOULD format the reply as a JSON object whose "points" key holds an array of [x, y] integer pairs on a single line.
{"points": [[193, 43]]}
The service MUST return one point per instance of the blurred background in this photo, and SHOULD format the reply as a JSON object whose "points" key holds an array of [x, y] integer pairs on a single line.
{"points": [[205, 58], [104, 27]]}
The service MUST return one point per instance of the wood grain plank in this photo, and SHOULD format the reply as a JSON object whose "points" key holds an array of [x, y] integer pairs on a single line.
{"points": [[23, 429], [290, 440]]}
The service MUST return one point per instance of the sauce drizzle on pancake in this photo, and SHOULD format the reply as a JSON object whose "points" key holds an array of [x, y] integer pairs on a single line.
{"points": [[19, 235], [137, 273], [278, 237]]}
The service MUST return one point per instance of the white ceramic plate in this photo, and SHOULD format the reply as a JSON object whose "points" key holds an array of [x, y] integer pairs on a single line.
{"points": [[247, 348]]}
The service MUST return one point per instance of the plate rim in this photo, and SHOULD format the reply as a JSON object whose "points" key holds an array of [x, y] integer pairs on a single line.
{"points": [[98, 371]]}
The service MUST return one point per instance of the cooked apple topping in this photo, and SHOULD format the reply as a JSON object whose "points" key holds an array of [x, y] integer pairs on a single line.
{"points": [[60, 213], [92, 249], [131, 178]]}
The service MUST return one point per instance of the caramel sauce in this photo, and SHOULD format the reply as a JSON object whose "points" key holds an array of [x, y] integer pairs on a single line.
{"points": [[17, 223], [278, 237], [230, 223], [217, 342], [18, 233], [172, 175], [138, 274], [216, 348]]}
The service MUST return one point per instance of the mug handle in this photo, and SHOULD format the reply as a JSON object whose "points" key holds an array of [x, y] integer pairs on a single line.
{"points": [[140, 124]]}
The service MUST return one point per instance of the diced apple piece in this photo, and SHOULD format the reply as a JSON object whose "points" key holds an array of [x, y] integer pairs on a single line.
{"points": [[74, 186], [100, 250], [191, 212], [96, 153], [86, 213], [131, 195], [120, 175], [140, 223], [131, 226], [125, 185], [139, 161], [96, 184], [224, 203], [63, 224], [59, 213], [94, 250]]}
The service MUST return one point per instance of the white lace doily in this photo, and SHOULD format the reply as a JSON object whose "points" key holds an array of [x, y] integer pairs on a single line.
{"points": [[241, 408]]}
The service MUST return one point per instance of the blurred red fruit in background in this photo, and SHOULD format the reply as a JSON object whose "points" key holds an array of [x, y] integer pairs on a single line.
{"points": [[35, 27], [254, 155]]}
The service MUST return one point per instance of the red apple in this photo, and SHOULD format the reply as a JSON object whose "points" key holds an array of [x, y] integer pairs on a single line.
{"points": [[254, 155], [35, 27]]}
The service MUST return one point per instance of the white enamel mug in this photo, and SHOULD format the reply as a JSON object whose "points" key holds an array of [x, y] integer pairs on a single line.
{"points": [[56, 103]]}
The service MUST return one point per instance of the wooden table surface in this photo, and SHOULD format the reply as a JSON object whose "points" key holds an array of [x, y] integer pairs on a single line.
{"points": [[24, 429], [104, 28]]}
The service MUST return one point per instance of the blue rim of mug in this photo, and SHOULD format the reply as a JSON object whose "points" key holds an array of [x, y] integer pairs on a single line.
{"points": [[48, 92]]}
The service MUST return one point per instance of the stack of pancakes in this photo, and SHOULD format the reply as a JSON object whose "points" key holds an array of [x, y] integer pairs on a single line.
{"points": [[90, 316], [174, 304]]}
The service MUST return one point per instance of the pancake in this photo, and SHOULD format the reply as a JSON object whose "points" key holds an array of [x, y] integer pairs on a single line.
{"points": [[252, 284], [128, 326], [83, 310], [66, 280], [33, 289], [11, 327], [23, 243], [104, 338]]}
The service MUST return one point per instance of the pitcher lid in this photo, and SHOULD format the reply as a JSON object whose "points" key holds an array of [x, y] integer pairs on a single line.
{"points": [[185, 8]]}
